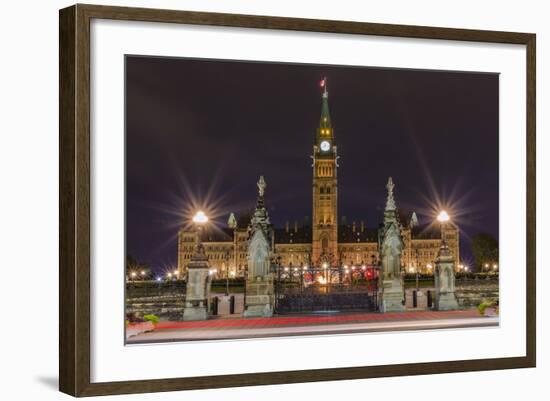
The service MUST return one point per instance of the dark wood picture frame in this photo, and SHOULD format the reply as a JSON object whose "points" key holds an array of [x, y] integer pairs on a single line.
{"points": [[74, 204]]}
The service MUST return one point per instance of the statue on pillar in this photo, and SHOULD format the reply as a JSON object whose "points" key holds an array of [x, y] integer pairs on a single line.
{"points": [[198, 283], [445, 298], [390, 249], [259, 299]]}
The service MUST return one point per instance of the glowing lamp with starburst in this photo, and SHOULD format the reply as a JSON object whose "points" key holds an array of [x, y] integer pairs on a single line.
{"points": [[200, 218], [443, 217]]}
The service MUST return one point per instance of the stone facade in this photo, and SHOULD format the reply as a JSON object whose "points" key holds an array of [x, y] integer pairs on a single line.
{"points": [[420, 252]]}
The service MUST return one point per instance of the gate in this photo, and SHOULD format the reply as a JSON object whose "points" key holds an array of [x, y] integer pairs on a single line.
{"points": [[331, 289]]}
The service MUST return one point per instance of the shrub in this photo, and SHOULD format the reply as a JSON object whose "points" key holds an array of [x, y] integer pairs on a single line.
{"points": [[151, 318], [484, 305]]}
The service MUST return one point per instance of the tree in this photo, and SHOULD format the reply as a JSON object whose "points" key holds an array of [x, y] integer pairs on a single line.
{"points": [[485, 250]]}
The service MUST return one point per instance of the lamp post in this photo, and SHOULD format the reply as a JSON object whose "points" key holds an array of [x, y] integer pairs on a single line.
{"points": [[232, 223], [200, 219], [416, 279], [198, 280], [443, 218], [227, 273]]}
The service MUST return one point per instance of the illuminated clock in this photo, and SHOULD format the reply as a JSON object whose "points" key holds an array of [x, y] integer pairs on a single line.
{"points": [[325, 146]]}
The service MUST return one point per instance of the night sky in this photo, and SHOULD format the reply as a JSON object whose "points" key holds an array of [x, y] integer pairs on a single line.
{"points": [[203, 131]]}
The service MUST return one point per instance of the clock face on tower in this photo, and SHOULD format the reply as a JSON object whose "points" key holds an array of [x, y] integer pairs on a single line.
{"points": [[325, 146]]}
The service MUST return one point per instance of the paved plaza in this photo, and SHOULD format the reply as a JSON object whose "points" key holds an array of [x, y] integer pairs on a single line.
{"points": [[337, 323]]}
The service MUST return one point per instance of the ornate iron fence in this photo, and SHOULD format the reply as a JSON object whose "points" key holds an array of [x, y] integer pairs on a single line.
{"points": [[305, 289]]}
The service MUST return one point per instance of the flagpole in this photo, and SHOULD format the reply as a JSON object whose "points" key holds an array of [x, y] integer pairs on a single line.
{"points": [[324, 86]]}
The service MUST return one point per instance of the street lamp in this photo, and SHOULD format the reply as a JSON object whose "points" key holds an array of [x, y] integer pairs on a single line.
{"points": [[443, 217], [200, 219], [232, 223], [226, 273]]}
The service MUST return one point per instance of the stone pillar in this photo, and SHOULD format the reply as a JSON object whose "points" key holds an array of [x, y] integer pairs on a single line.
{"points": [[390, 250], [260, 297], [445, 298], [198, 285]]}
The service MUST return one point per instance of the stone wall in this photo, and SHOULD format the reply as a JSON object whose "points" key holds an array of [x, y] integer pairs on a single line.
{"points": [[170, 307], [472, 292], [469, 293], [165, 307]]}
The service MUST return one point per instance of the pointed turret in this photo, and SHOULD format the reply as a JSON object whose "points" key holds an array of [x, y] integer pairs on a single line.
{"points": [[325, 113], [390, 201], [259, 296], [232, 221], [413, 222], [390, 212], [325, 126], [390, 248], [260, 218]]}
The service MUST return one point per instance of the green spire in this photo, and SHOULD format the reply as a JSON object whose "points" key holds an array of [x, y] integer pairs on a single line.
{"points": [[325, 113]]}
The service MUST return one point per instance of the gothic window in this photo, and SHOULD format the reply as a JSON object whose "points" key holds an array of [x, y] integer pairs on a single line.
{"points": [[324, 244], [328, 190]]}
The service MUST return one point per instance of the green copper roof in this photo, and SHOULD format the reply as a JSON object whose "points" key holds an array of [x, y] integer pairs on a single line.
{"points": [[325, 113]]}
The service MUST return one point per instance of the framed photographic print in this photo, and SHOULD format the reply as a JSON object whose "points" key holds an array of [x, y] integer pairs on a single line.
{"points": [[358, 196]]}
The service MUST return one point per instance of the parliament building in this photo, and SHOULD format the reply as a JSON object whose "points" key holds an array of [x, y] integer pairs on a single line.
{"points": [[324, 239]]}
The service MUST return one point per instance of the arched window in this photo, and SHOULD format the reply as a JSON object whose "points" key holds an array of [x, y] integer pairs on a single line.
{"points": [[324, 244]]}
